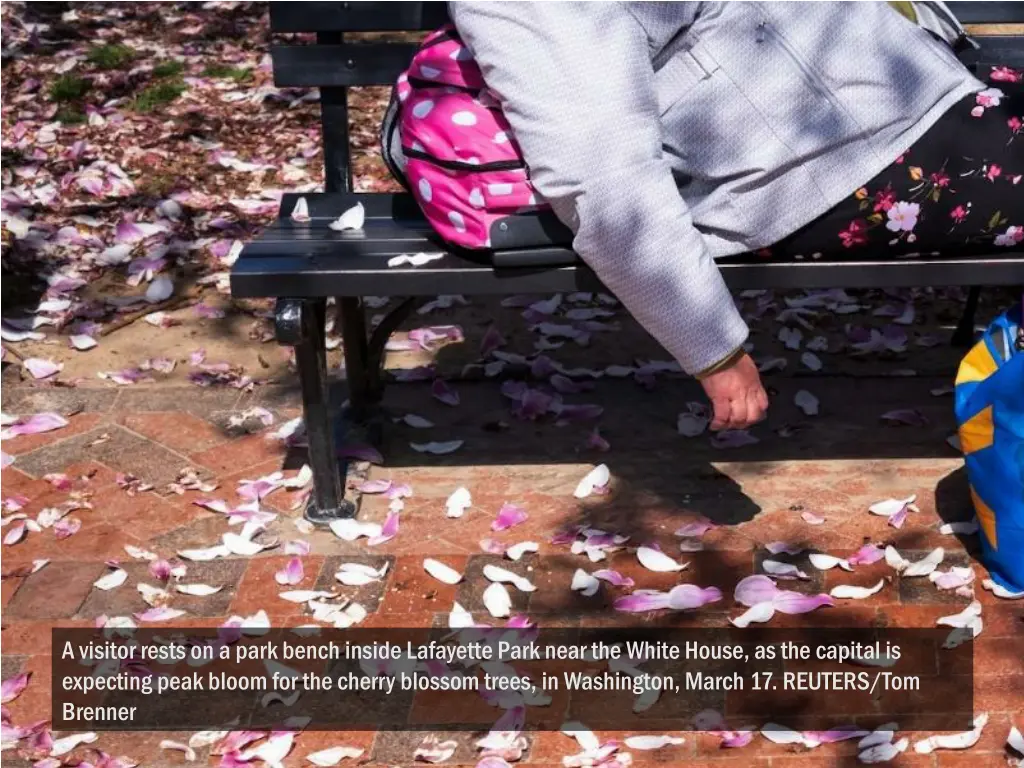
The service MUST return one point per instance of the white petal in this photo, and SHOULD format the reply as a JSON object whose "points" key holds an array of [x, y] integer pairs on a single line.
{"points": [[926, 565], [190, 754], [417, 422], [516, 551], [825, 562], [962, 619], [962, 528], [953, 740], [851, 592], [138, 553], [598, 477], [883, 753], [459, 618], [333, 756], [160, 289], [350, 529], [438, 448], [241, 545], [497, 601], [301, 210], [756, 614], [584, 583], [304, 595], [353, 218], [883, 734], [501, 575], [890, 507], [112, 580], [202, 555], [780, 734], [199, 590], [458, 502], [66, 744], [1015, 741], [441, 572], [647, 742], [657, 561], [778, 568]]}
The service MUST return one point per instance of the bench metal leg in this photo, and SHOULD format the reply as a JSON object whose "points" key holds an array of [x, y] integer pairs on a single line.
{"points": [[364, 354], [963, 336], [300, 323]]}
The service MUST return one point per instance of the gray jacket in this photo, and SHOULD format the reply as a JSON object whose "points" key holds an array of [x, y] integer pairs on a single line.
{"points": [[668, 134]]}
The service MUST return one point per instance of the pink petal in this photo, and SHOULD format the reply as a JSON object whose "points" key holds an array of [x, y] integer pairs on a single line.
{"points": [[69, 526], [689, 596], [866, 555], [565, 385], [736, 739], [291, 574], [696, 528], [905, 417], [755, 589], [583, 412], [491, 341], [160, 570], [388, 530], [441, 391], [614, 578], [596, 442], [5, 460], [897, 520], [795, 602], [641, 601], [812, 519], [374, 486], [492, 546], [508, 516], [13, 687], [780, 547], [160, 613], [41, 369]]}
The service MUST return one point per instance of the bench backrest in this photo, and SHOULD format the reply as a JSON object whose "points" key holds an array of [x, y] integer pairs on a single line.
{"points": [[343, 56]]}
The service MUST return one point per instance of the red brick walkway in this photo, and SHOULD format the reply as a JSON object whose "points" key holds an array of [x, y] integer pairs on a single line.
{"points": [[659, 481]]}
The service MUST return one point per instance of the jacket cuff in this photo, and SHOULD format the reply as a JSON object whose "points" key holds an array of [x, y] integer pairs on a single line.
{"points": [[722, 364]]}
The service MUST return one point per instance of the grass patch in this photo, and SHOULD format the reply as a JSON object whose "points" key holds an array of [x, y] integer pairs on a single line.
{"points": [[238, 74], [158, 95], [70, 115], [169, 68], [68, 88], [110, 56]]}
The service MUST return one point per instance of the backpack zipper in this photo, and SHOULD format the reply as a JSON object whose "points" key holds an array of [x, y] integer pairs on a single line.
{"points": [[765, 30], [459, 165]]}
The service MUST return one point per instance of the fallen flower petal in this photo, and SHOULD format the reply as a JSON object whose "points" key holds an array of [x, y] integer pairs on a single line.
{"points": [[41, 369], [851, 592], [438, 448], [963, 740], [509, 515], [441, 572], [758, 613], [112, 580], [657, 561], [459, 501], [352, 219], [497, 600], [291, 574], [333, 756], [597, 478]]}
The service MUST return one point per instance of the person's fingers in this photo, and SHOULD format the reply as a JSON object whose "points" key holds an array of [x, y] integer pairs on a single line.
{"points": [[762, 399], [738, 413], [721, 414]]}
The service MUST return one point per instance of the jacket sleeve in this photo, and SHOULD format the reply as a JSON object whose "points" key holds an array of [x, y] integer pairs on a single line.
{"points": [[576, 83]]}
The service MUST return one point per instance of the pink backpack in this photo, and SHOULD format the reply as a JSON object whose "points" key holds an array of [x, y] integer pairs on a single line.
{"points": [[457, 155]]}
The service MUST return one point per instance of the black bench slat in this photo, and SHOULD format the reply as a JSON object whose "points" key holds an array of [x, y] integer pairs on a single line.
{"points": [[988, 12], [317, 269], [1004, 50], [357, 16], [412, 16], [340, 65]]}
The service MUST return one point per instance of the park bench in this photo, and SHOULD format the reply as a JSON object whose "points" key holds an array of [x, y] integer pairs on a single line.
{"points": [[302, 264]]}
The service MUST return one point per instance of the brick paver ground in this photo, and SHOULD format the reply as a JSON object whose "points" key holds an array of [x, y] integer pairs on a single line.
{"points": [[835, 466]]}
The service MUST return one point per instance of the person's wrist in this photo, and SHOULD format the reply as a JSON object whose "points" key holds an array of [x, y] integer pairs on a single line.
{"points": [[726, 362]]}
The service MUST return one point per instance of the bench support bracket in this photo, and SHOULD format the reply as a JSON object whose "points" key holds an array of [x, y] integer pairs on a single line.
{"points": [[300, 324], [963, 336]]}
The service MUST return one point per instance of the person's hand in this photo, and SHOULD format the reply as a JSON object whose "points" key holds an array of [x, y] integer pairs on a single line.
{"points": [[736, 395]]}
